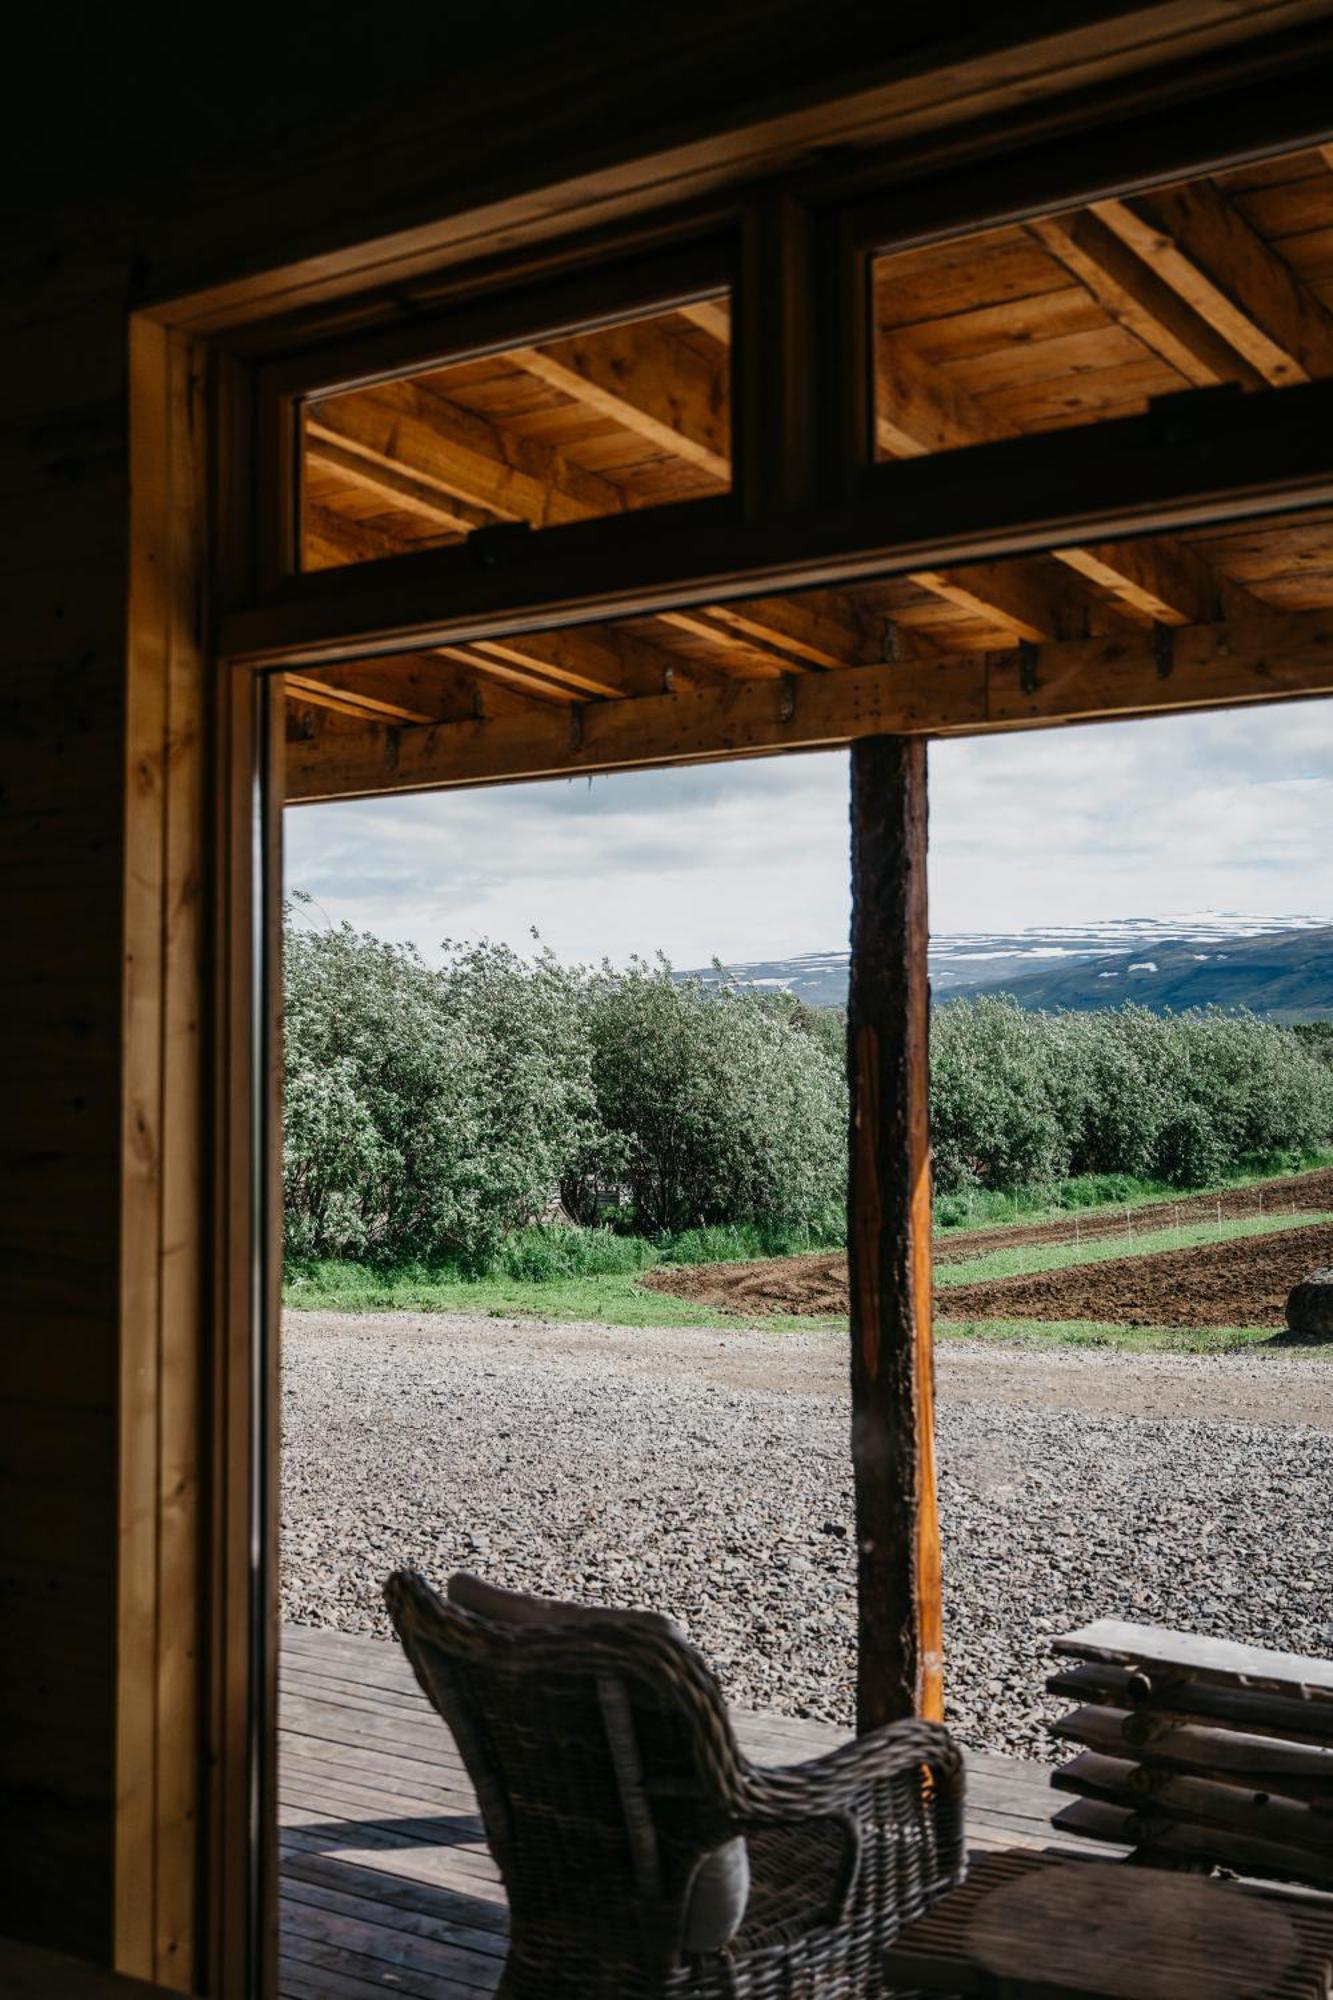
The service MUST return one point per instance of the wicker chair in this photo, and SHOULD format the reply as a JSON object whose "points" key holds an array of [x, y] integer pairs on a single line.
{"points": [[642, 1854]]}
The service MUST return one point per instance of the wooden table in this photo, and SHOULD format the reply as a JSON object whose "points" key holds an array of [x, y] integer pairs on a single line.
{"points": [[1029, 1927]]}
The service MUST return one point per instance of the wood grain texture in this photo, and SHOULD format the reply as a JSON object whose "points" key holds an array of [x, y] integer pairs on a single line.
{"points": [[256, 191], [160, 1627], [899, 1608]]}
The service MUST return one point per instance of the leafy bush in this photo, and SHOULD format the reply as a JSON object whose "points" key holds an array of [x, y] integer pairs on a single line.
{"points": [[433, 1115], [1180, 1100], [427, 1113], [995, 1097], [716, 1105]]}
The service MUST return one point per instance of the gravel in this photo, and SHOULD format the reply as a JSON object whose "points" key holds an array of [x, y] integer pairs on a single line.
{"points": [[707, 1474]]}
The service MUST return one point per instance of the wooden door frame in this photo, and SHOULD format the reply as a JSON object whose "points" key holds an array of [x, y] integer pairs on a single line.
{"points": [[201, 1187]]}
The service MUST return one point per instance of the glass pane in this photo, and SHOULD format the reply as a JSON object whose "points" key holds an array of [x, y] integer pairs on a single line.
{"points": [[1089, 315], [637, 414]]}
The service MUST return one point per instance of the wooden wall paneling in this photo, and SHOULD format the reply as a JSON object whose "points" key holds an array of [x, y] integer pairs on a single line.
{"points": [[60, 711], [163, 1176], [899, 1609], [237, 1940], [648, 121]]}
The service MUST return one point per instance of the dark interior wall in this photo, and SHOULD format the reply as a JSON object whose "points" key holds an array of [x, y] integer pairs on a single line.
{"points": [[156, 150]]}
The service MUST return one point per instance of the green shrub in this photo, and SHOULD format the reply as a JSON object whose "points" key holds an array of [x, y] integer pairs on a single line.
{"points": [[432, 1115], [716, 1105]]}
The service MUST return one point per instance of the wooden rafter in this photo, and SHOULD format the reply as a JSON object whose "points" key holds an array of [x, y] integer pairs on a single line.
{"points": [[917, 412], [1138, 297], [1200, 246], [646, 382], [458, 457], [1240, 660], [406, 426], [599, 662], [710, 316], [385, 478]]}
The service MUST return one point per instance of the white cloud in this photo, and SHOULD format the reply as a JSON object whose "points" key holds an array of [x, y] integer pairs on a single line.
{"points": [[1230, 810]]}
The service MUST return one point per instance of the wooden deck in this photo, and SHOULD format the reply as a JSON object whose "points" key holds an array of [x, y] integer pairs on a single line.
{"points": [[387, 1885]]}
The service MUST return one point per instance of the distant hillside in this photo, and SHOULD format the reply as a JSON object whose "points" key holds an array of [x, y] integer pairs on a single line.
{"points": [[1286, 978], [1281, 967]]}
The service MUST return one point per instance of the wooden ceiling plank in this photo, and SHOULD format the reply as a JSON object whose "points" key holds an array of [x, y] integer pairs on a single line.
{"points": [[468, 459], [1137, 296], [528, 680], [407, 425], [817, 628], [1205, 250], [917, 413], [710, 316], [636, 376], [1246, 660], [1165, 581], [1022, 598], [592, 662], [343, 701], [386, 478]]}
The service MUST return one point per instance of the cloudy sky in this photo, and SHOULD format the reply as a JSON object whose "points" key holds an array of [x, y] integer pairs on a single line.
{"points": [[1225, 811]]}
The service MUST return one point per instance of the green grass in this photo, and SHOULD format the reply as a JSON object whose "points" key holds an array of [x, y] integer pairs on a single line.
{"points": [[561, 1273], [1091, 1194], [618, 1300], [1124, 1339], [615, 1299], [1021, 1259]]}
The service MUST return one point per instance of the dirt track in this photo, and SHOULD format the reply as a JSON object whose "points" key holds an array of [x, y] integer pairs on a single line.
{"points": [[1310, 1193], [1241, 1283]]}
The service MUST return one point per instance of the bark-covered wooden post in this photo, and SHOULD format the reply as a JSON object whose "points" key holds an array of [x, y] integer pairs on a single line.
{"points": [[889, 1222]]}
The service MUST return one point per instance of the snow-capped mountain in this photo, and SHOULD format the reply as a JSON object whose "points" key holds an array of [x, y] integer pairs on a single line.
{"points": [[1277, 965]]}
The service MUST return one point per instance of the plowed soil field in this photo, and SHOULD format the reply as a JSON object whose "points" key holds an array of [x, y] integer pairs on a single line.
{"points": [[1305, 1192], [1241, 1283]]}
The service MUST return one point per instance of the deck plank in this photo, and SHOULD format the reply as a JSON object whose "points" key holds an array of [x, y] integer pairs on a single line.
{"points": [[386, 1881]]}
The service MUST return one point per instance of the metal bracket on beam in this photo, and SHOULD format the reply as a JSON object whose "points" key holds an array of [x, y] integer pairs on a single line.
{"points": [[1164, 650], [1027, 666]]}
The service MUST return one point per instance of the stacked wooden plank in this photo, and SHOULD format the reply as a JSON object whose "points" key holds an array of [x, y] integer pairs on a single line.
{"points": [[1199, 1751]]}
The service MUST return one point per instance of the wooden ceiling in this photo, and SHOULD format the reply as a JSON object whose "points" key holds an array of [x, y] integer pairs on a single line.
{"points": [[1062, 321]]}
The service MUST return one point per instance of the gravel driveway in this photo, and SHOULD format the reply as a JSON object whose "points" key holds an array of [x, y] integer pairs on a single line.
{"points": [[707, 1473]]}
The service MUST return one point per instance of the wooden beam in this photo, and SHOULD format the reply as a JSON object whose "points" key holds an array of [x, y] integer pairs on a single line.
{"points": [[344, 701], [639, 378], [599, 662], [1211, 257], [407, 426], [1022, 598], [710, 316], [899, 1605], [1242, 660], [389, 481], [919, 411], [465, 462], [1164, 580], [818, 628], [1137, 296]]}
